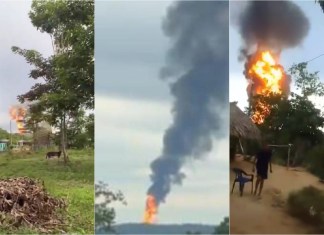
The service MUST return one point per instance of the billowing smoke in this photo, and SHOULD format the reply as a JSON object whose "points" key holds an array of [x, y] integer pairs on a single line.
{"points": [[198, 62], [273, 24], [270, 25]]}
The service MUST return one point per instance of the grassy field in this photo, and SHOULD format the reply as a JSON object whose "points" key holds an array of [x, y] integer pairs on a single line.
{"points": [[74, 182]]}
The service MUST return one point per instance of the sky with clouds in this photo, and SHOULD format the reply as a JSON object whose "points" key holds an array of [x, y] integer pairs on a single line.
{"points": [[133, 109], [311, 47], [17, 30]]}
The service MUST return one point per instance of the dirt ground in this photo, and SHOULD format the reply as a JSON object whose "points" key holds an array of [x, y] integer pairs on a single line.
{"points": [[250, 215]]}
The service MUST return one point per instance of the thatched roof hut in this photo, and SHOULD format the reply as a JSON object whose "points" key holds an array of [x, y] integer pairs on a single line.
{"points": [[241, 125]]}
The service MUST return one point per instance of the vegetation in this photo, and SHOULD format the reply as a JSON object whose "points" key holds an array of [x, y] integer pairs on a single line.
{"points": [[295, 120], [104, 213], [321, 3], [15, 137], [223, 227], [315, 161], [308, 205], [73, 182], [63, 97], [67, 86]]}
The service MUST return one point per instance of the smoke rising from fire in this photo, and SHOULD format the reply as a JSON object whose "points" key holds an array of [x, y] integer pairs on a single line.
{"points": [[270, 26], [198, 60], [273, 24]]}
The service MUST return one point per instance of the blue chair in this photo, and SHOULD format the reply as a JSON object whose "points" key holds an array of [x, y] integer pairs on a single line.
{"points": [[241, 179]]}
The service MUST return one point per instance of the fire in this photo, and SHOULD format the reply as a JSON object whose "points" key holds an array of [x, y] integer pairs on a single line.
{"points": [[150, 210], [267, 78], [17, 114]]}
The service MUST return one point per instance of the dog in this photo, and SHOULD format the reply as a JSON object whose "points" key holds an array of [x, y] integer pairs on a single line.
{"points": [[53, 154]]}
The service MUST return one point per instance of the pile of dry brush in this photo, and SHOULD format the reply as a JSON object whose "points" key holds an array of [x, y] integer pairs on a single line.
{"points": [[25, 201]]}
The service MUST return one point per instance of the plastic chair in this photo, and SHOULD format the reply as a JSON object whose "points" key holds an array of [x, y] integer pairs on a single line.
{"points": [[239, 178]]}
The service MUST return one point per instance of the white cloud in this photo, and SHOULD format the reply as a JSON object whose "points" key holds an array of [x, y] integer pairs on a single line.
{"points": [[132, 114]]}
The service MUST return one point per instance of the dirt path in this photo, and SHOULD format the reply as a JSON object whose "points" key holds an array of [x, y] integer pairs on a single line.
{"points": [[250, 215]]}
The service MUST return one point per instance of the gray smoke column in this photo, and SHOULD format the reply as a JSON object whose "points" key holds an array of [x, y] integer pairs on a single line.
{"points": [[273, 24], [198, 64]]}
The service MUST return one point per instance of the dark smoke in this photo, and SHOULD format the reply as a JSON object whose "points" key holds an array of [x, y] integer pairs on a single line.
{"points": [[198, 60], [270, 25], [273, 24]]}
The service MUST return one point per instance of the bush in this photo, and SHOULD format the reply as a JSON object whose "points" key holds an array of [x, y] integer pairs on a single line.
{"points": [[315, 161], [279, 159], [307, 204]]}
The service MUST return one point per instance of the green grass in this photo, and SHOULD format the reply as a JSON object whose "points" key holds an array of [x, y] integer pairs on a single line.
{"points": [[74, 182]]}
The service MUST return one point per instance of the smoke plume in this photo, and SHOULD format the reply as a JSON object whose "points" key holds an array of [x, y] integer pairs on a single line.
{"points": [[198, 63], [273, 24]]}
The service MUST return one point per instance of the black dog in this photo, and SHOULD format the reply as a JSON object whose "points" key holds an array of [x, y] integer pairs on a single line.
{"points": [[53, 154]]}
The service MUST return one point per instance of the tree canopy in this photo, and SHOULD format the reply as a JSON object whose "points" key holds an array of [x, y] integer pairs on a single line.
{"points": [[66, 79], [104, 212], [295, 119]]}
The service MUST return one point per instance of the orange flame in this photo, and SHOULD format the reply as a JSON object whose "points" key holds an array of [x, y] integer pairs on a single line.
{"points": [[17, 114], [150, 210], [267, 74]]}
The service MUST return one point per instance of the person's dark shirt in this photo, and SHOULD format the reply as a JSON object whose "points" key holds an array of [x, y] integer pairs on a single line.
{"points": [[263, 158]]}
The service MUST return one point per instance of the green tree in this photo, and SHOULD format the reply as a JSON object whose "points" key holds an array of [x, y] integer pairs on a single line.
{"points": [[104, 213], [223, 227], [4, 134], [80, 131], [307, 83], [89, 126], [68, 75], [295, 120]]}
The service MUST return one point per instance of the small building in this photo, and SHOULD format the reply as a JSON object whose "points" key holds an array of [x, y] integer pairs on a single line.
{"points": [[4, 145], [25, 145], [241, 128]]}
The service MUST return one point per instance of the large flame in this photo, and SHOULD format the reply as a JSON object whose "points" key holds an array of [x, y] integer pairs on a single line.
{"points": [[150, 210], [267, 78], [17, 114]]}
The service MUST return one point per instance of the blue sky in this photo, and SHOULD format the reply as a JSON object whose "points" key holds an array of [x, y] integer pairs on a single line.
{"points": [[311, 47], [17, 30], [133, 109]]}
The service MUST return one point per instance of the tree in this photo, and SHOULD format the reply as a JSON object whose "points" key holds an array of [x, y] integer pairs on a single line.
{"points": [[104, 213], [80, 130], [295, 120], [4, 134], [89, 126], [223, 227], [307, 83], [321, 3], [69, 74]]}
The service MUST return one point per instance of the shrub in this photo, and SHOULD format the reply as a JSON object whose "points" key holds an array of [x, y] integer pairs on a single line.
{"points": [[315, 161], [307, 204]]}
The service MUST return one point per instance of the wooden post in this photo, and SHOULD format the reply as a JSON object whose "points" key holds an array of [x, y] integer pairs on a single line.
{"points": [[250, 98], [10, 134], [241, 146], [288, 156]]}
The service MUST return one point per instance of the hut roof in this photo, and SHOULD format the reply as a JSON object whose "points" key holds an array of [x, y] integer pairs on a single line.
{"points": [[241, 125]]}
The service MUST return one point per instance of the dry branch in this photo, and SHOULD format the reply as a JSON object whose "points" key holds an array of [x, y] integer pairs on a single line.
{"points": [[25, 201]]}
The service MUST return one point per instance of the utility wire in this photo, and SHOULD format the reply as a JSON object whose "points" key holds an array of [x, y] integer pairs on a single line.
{"points": [[314, 58]]}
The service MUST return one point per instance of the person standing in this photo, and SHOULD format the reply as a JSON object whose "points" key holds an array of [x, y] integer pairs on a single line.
{"points": [[261, 164]]}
